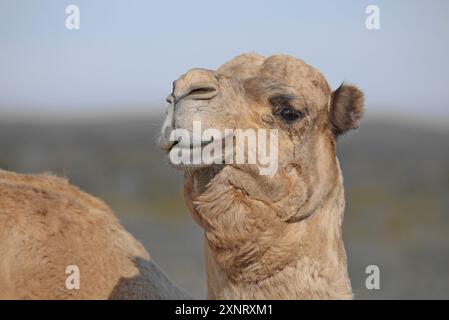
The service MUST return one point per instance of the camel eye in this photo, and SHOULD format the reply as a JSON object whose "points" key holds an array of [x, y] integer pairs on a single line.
{"points": [[289, 114]]}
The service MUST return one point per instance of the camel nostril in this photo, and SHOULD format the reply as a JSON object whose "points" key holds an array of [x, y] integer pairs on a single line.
{"points": [[196, 84], [201, 90], [201, 93]]}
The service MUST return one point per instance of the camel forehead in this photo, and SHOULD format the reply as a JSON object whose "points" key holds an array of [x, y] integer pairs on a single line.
{"points": [[284, 68]]}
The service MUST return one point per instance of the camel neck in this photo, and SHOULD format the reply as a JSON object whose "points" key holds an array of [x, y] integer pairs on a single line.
{"points": [[317, 269]]}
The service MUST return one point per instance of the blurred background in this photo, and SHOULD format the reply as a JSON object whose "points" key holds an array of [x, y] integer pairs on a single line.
{"points": [[87, 104]]}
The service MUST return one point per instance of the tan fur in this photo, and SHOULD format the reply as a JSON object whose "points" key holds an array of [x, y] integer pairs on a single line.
{"points": [[269, 237], [46, 224]]}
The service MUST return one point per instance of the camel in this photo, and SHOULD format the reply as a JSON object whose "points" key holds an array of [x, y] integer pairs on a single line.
{"points": [[48, 226], [275, 236]]}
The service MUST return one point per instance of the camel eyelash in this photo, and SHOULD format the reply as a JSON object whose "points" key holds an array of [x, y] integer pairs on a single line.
{"points": [[284, 110], [281, 101]]}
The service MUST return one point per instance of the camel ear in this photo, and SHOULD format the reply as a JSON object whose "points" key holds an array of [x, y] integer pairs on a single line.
{"points": [[346, 109]]}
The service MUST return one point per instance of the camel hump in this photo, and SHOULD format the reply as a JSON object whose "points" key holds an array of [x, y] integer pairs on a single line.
{"points": [[48, 225], [43, 201], [38, 186]]}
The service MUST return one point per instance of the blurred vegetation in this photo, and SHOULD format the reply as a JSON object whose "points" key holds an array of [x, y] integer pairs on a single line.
{"points": [[396, 180]]}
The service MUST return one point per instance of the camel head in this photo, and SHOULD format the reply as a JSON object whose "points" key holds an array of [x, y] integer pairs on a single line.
{"points": [[252, 220]]}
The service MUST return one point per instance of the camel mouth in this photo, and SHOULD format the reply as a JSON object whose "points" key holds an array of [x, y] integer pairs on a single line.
{"points": [[193, 146], [180, 145], [188, 154]]}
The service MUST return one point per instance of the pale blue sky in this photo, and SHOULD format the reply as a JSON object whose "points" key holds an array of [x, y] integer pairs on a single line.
{"points": [[127, 53]]}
